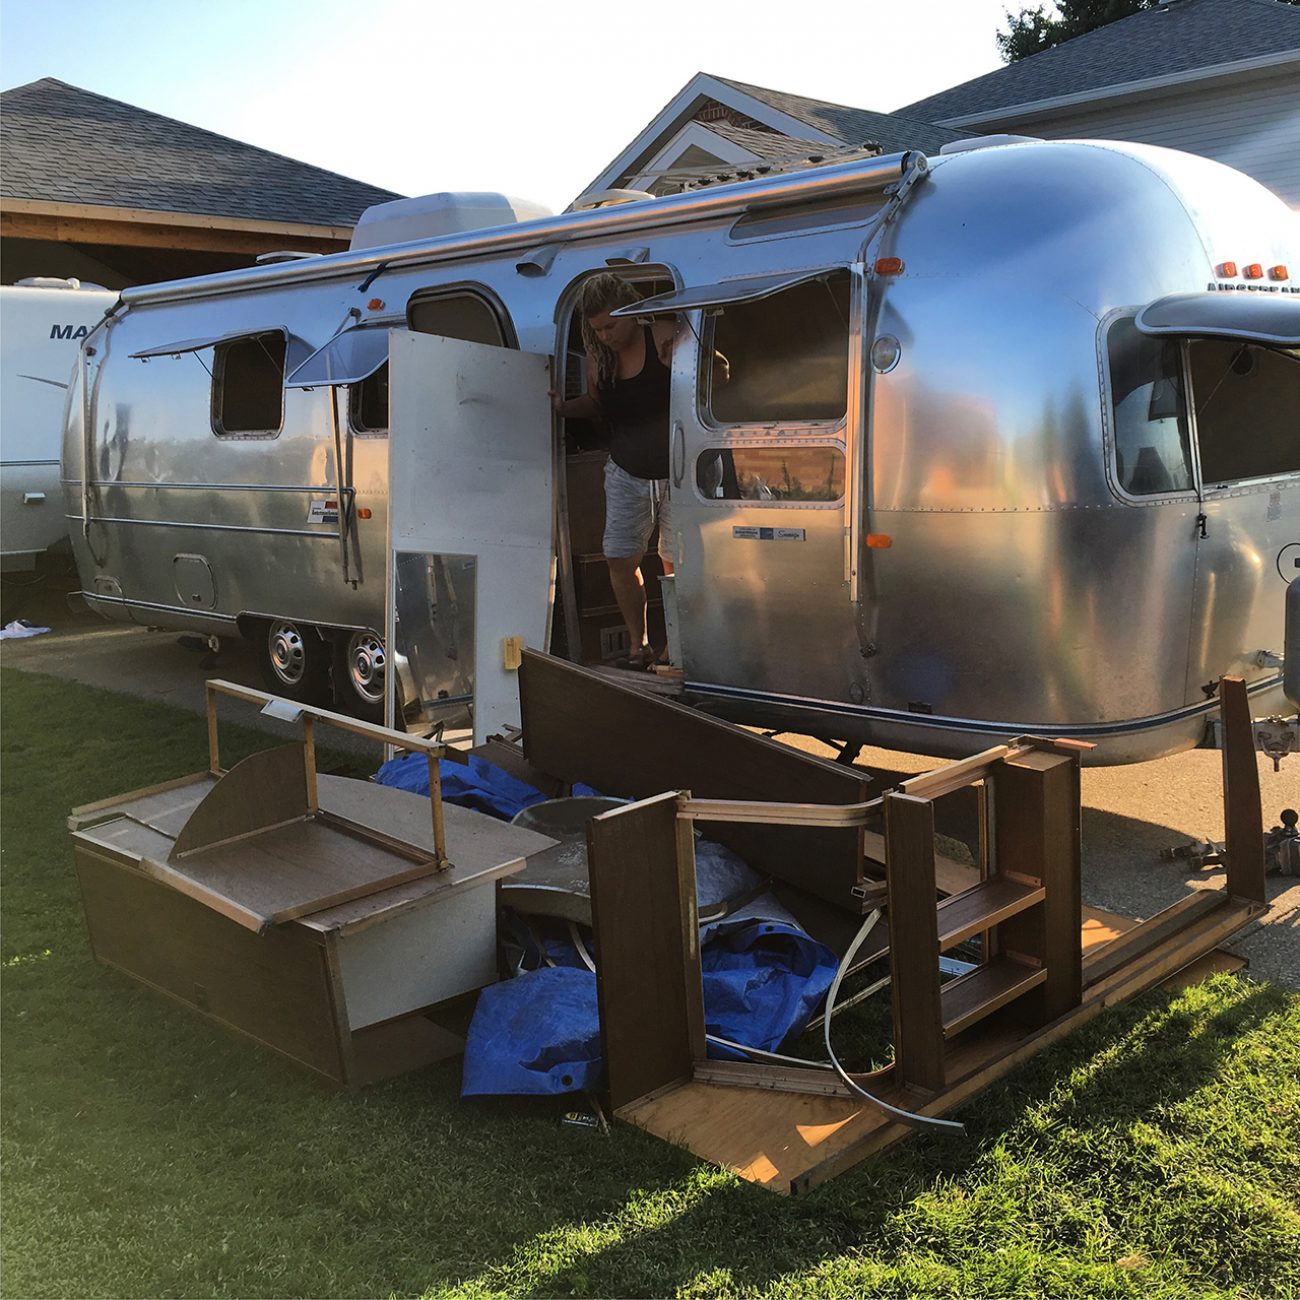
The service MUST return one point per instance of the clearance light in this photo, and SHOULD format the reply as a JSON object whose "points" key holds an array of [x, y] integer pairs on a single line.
{"points": [[1227, 270], [1278, 273], [889, 265], [375, 304], [364, 512], [1253, 272], [879, 541]]}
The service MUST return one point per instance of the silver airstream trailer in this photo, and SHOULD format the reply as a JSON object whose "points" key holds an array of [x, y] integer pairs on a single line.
{"points": [[1011, 444]]}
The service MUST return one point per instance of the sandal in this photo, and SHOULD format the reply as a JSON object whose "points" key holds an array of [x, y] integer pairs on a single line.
{"points": [[639, 661]]}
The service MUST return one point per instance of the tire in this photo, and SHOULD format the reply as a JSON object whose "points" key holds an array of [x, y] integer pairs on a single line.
{"points": [[295, 661], [360, 675]]}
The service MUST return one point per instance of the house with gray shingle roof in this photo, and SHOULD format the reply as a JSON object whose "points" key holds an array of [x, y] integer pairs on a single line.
{"points": [[1220, 78], [101, 189], [715, 126]]}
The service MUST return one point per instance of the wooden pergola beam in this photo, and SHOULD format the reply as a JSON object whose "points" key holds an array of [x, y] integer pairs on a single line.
{"points": [[78, 223]]}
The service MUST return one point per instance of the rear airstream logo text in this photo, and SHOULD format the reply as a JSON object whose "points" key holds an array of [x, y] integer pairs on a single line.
{"points": [[1215, 287], [69, 331]]}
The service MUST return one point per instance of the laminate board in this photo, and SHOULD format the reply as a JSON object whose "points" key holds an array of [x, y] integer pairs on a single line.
{"points": [[584, 725]]}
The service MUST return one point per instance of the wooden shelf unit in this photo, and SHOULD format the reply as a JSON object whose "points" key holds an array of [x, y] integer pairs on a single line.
{"points": [[790, 1127]]}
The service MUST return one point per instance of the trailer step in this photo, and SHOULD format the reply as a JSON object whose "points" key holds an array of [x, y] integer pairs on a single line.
{"points": [[977, 909], [971, 997]]}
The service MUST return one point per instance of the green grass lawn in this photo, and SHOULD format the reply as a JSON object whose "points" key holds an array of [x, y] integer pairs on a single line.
{"points": [[146, 1152]]}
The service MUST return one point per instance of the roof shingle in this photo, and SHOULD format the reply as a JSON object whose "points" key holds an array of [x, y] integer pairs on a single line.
{"points": [[894, 132], [1180, 36], [64, 144]]}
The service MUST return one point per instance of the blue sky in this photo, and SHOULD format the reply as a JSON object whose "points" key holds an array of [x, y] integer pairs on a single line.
{"points": [[500, 94]]}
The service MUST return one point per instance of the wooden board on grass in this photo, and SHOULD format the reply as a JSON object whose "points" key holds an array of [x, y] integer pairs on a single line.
{"points": [[791, 1143]]}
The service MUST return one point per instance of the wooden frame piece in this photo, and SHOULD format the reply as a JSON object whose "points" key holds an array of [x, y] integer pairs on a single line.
{"points": [[790, 1128], [308, 714], [1244, 846], [642, 872], [586, 726]]}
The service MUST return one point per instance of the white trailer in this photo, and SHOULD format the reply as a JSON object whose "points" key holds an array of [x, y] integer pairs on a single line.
{"points": [[42, 323]]}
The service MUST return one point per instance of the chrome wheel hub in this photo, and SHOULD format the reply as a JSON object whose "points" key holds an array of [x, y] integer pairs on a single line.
{"points": [[367, 666], [287, 652]]}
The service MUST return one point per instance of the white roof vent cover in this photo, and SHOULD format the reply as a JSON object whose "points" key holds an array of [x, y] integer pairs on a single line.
{"points": [[428, 216]]}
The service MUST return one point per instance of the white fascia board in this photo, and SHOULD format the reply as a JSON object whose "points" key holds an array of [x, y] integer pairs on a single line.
{"points": [[682, 107], [1124, 90], [699, 135]]}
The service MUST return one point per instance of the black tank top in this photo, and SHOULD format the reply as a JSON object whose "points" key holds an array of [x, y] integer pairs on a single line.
{"points": [[636, 410]]}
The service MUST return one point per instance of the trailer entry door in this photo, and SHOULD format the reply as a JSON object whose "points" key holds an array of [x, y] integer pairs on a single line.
{"points": [[765, 408], [470, 564]]}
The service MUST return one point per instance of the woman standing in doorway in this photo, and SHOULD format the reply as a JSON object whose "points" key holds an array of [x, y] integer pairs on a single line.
{"points": [[628, 381]]}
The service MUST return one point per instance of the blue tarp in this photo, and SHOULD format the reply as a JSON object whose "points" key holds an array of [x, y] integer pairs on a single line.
{"points": [[764, 978], [477, 784], [539, 1034], [533, 1036]]}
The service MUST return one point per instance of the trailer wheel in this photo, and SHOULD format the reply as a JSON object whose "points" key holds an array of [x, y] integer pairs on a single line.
{"points": [[295, 661], [360, 674]]}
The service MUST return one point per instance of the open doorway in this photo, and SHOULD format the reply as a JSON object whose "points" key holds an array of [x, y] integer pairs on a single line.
{"points": [[587, 626]]}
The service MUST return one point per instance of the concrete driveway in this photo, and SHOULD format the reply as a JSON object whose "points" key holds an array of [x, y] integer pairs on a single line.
{"points": [[1130, 813]]}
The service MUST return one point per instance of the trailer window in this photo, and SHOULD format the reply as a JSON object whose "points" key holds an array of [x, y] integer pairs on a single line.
{"points": [[793, 474], [368, 403], [248, 385], [787, 356], [466, 316], [1247, 403], [1152, 453]]}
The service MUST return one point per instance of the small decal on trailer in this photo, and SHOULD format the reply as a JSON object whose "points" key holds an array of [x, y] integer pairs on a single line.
{"points": [[770, 534], [323, 512]]}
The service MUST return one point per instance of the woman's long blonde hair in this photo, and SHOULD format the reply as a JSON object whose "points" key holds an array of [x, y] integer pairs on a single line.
{"points": [[603, 292]]}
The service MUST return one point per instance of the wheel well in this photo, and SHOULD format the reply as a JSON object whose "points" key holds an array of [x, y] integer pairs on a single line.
{"points": [[248, 625]]}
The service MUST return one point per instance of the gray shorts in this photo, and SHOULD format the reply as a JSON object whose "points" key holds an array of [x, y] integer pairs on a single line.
{"points": [[632, 508]]}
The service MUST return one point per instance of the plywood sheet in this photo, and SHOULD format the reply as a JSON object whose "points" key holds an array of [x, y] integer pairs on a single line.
{"points": [[769, 1138]]}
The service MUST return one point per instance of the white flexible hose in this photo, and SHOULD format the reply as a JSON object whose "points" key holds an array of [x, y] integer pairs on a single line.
{"points": [[906, 1116]]}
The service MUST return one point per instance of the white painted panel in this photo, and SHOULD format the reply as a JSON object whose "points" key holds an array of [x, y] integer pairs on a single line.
{"points": [[419, 957], [470, 464], [1253, 126]]}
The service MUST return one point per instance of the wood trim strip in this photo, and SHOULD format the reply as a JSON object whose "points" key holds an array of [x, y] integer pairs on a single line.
{"points": [[156, 217], [87, 814], [1147, 934], [773, 1078], [779, 814]]}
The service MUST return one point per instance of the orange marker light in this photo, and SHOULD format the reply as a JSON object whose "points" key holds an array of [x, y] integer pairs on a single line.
{"points": [[1253, 272], [1279, 273], [879, 541], [375, 304], [1227, 269], [364, 512], [889, 265]]}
